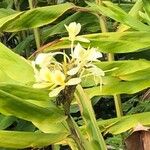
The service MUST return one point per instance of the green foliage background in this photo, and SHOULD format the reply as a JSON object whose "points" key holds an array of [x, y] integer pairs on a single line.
{"points": [[29, 114]]}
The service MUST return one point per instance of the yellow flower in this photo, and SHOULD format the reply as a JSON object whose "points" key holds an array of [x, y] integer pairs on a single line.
{"points": [[46, 75], [58, 77]]}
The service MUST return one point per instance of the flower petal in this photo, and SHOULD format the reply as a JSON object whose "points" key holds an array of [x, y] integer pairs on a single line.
{"points": [[78, 28], [58, 77], [93, 54], [73, 29], [73, 81], [46, 74], [56, 91], [73, 71], [96, 71], [42, 85], [43, 59], [79, 51]]}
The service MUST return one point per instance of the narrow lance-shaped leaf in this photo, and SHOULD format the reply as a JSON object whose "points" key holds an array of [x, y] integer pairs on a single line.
{"points": [[147, 6], [124, 87], [24, 92], [142, 74], [118, 14], [120, 72], [33, 18], [38, 97], [124, 42], [122, 124], [123, 67], [134, 12], [16, 139], [41, 117], [6, 12]]}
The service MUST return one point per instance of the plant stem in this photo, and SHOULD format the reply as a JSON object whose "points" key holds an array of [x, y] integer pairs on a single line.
{"points": [[55, 147], [94, 134], [133, 12], [110, 57], [74, 133], [65, 98], [103, 25], [117, 100], [35, 30], [102, 19]]}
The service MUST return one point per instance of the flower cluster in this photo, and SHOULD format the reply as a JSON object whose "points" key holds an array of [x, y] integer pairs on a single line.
{"points": [[49, 73]]}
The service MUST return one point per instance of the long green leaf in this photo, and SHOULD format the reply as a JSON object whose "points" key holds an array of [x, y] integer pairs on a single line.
{"points": [[41, 117], [81, 17], [35, 96], [6, 121], [25, 92], [113, 42], [6, 12], [122, 124], [8, 19], [122, 87], [33, 18], [147, 6], [14, 68], [119, 15], [133, 12], [120, 71], [123, 67], [15, 139], [138, 75]]}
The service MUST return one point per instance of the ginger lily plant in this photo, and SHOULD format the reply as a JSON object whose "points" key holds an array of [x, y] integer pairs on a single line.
{"points": [[62, 78]]}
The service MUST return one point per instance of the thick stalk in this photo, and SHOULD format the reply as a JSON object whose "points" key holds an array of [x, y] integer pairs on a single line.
{"points": [[133, 12], [102, 19], [103, 26], [83, 140], [65, 98], [35, 30], [55, 147], [17, 7], [118, 105], [110, 56], [117, 98], [95, 137], [75, 135]]}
